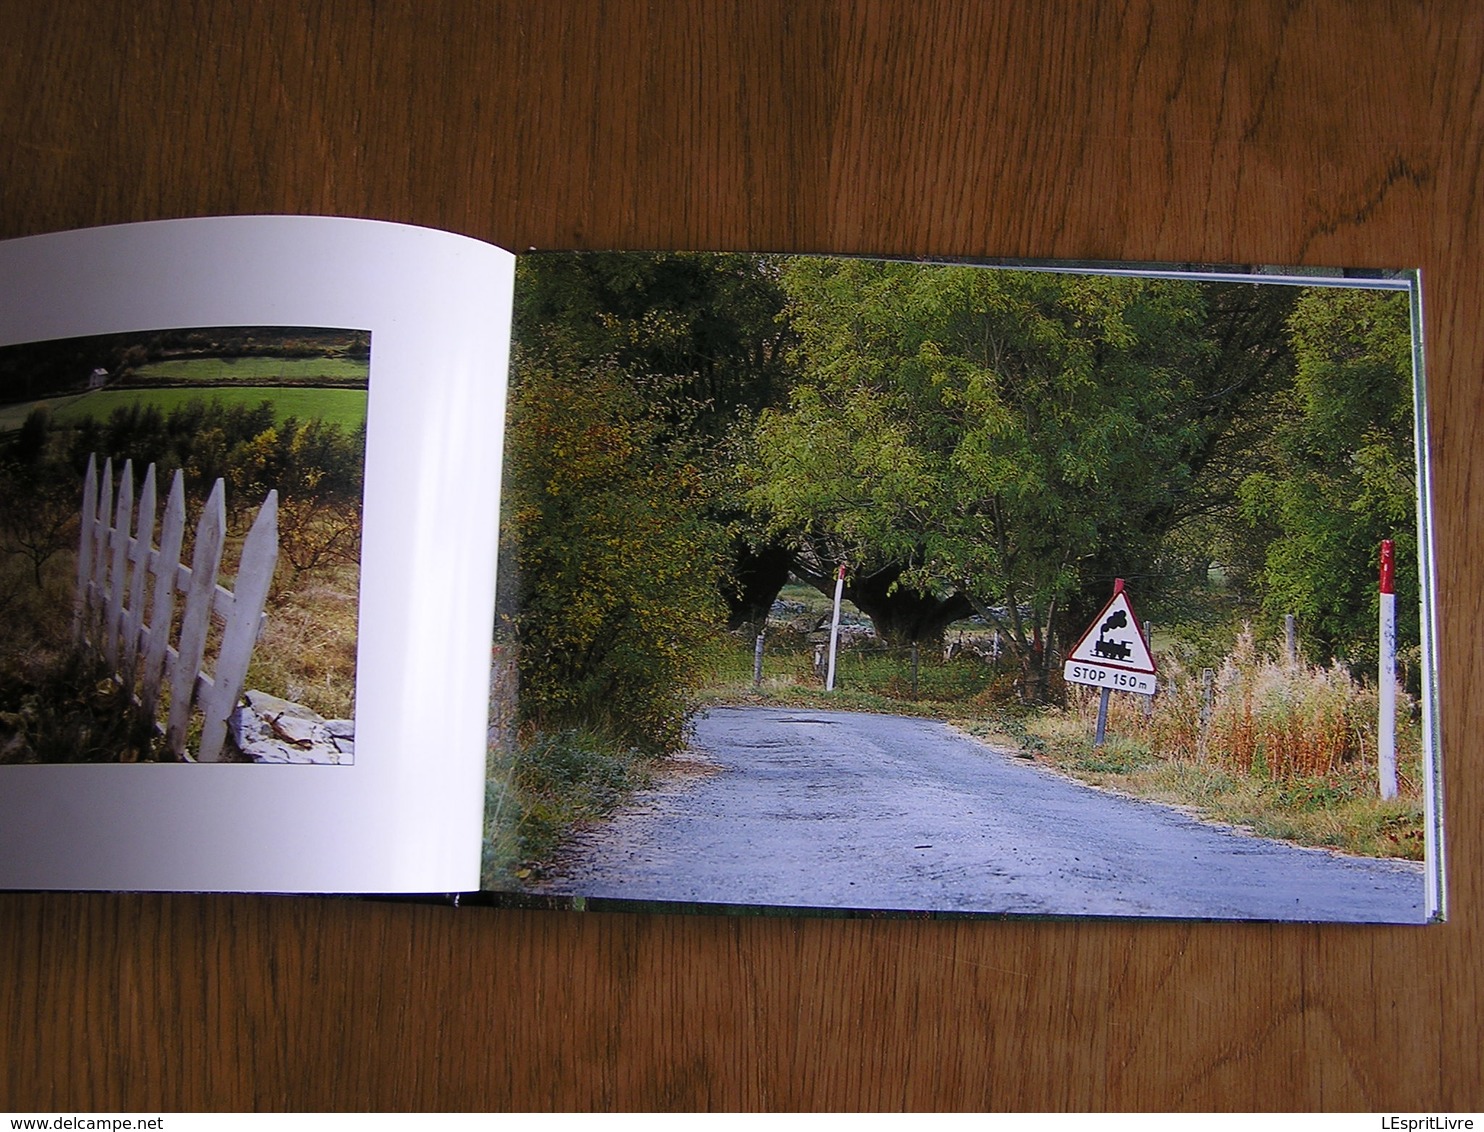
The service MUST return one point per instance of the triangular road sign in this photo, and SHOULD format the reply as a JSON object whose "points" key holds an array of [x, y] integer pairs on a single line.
{"points": [[1115, 639]]}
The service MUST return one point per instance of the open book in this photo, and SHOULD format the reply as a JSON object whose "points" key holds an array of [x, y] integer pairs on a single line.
{"points": [[815, 584]]}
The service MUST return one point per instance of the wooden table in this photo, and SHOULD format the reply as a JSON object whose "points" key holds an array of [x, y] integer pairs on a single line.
{"points": [[1263, 132]]}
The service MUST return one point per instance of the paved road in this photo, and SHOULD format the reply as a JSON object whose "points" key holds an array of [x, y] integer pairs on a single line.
{"points": [[822, 809]]}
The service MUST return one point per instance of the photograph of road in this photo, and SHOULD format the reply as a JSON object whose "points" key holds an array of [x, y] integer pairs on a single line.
{"points": [[784, 807], [872, 586]]}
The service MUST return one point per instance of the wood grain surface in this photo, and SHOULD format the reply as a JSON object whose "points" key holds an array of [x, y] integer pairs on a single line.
{"points": [[1299, 132]]}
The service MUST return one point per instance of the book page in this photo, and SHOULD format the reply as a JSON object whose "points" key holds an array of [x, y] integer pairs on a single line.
{"points": [[318, 403], [863, 587]]}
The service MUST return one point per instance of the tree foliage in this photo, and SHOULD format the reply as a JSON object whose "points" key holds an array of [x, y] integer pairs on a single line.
{"points": [[1340, 473], [991, 434], [701, 338], [615, 558], [698, 334]]}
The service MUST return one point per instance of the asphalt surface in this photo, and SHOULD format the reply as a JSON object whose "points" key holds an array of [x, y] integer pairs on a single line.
{"points": [[815, 809]]}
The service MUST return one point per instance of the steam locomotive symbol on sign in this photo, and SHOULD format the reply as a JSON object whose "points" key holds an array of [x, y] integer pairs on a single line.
{"points": [[1112, 650]]}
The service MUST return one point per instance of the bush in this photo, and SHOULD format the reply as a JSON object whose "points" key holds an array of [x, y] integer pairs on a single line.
{"points": [[616, 564], [66, 709]]}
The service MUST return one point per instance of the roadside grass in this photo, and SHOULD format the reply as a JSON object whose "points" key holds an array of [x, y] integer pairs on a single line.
{"points": [[541, 788], [1285, 750], [1341, 810]]}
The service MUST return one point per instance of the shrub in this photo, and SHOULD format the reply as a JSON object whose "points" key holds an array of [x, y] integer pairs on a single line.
{"points": [[616, 564]]}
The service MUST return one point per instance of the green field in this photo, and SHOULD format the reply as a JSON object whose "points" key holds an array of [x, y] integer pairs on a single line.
{"points": [[254, 371], [344, 407], [14, 415]]}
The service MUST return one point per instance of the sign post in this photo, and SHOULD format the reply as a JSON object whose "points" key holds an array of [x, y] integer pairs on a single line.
{"points": [[1101, 730], [829, 680], [1386, 724], [1113, 655]]}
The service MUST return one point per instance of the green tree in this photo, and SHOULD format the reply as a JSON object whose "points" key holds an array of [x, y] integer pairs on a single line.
{"points": [[698, 333], [317, 470], [1342, 473], [992, 439], [1235, 398], [39, 497], [700, 337]]}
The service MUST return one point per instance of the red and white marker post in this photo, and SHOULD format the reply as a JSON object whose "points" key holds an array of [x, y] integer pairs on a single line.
{"points": [[1386, 724], [829, 680]]}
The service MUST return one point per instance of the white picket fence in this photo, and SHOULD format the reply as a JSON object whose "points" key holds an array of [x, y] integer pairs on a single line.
{"points": [[116, 561]]}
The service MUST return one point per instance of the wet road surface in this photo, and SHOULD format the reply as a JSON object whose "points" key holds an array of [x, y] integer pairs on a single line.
{"points": [[817, 809]]}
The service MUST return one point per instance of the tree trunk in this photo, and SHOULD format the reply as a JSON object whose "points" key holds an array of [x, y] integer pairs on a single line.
{"points": [[1032, 652], [753, 582], [901, 616]]}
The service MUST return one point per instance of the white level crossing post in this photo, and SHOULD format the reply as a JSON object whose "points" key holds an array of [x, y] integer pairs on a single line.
{"points": [[1386, 724], [829, 680]]}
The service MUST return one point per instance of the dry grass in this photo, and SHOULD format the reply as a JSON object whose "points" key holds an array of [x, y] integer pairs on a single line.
{"points": [[1284, 748], [307, 652], [1341, 811], [56, 703], [1257, 714]]}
